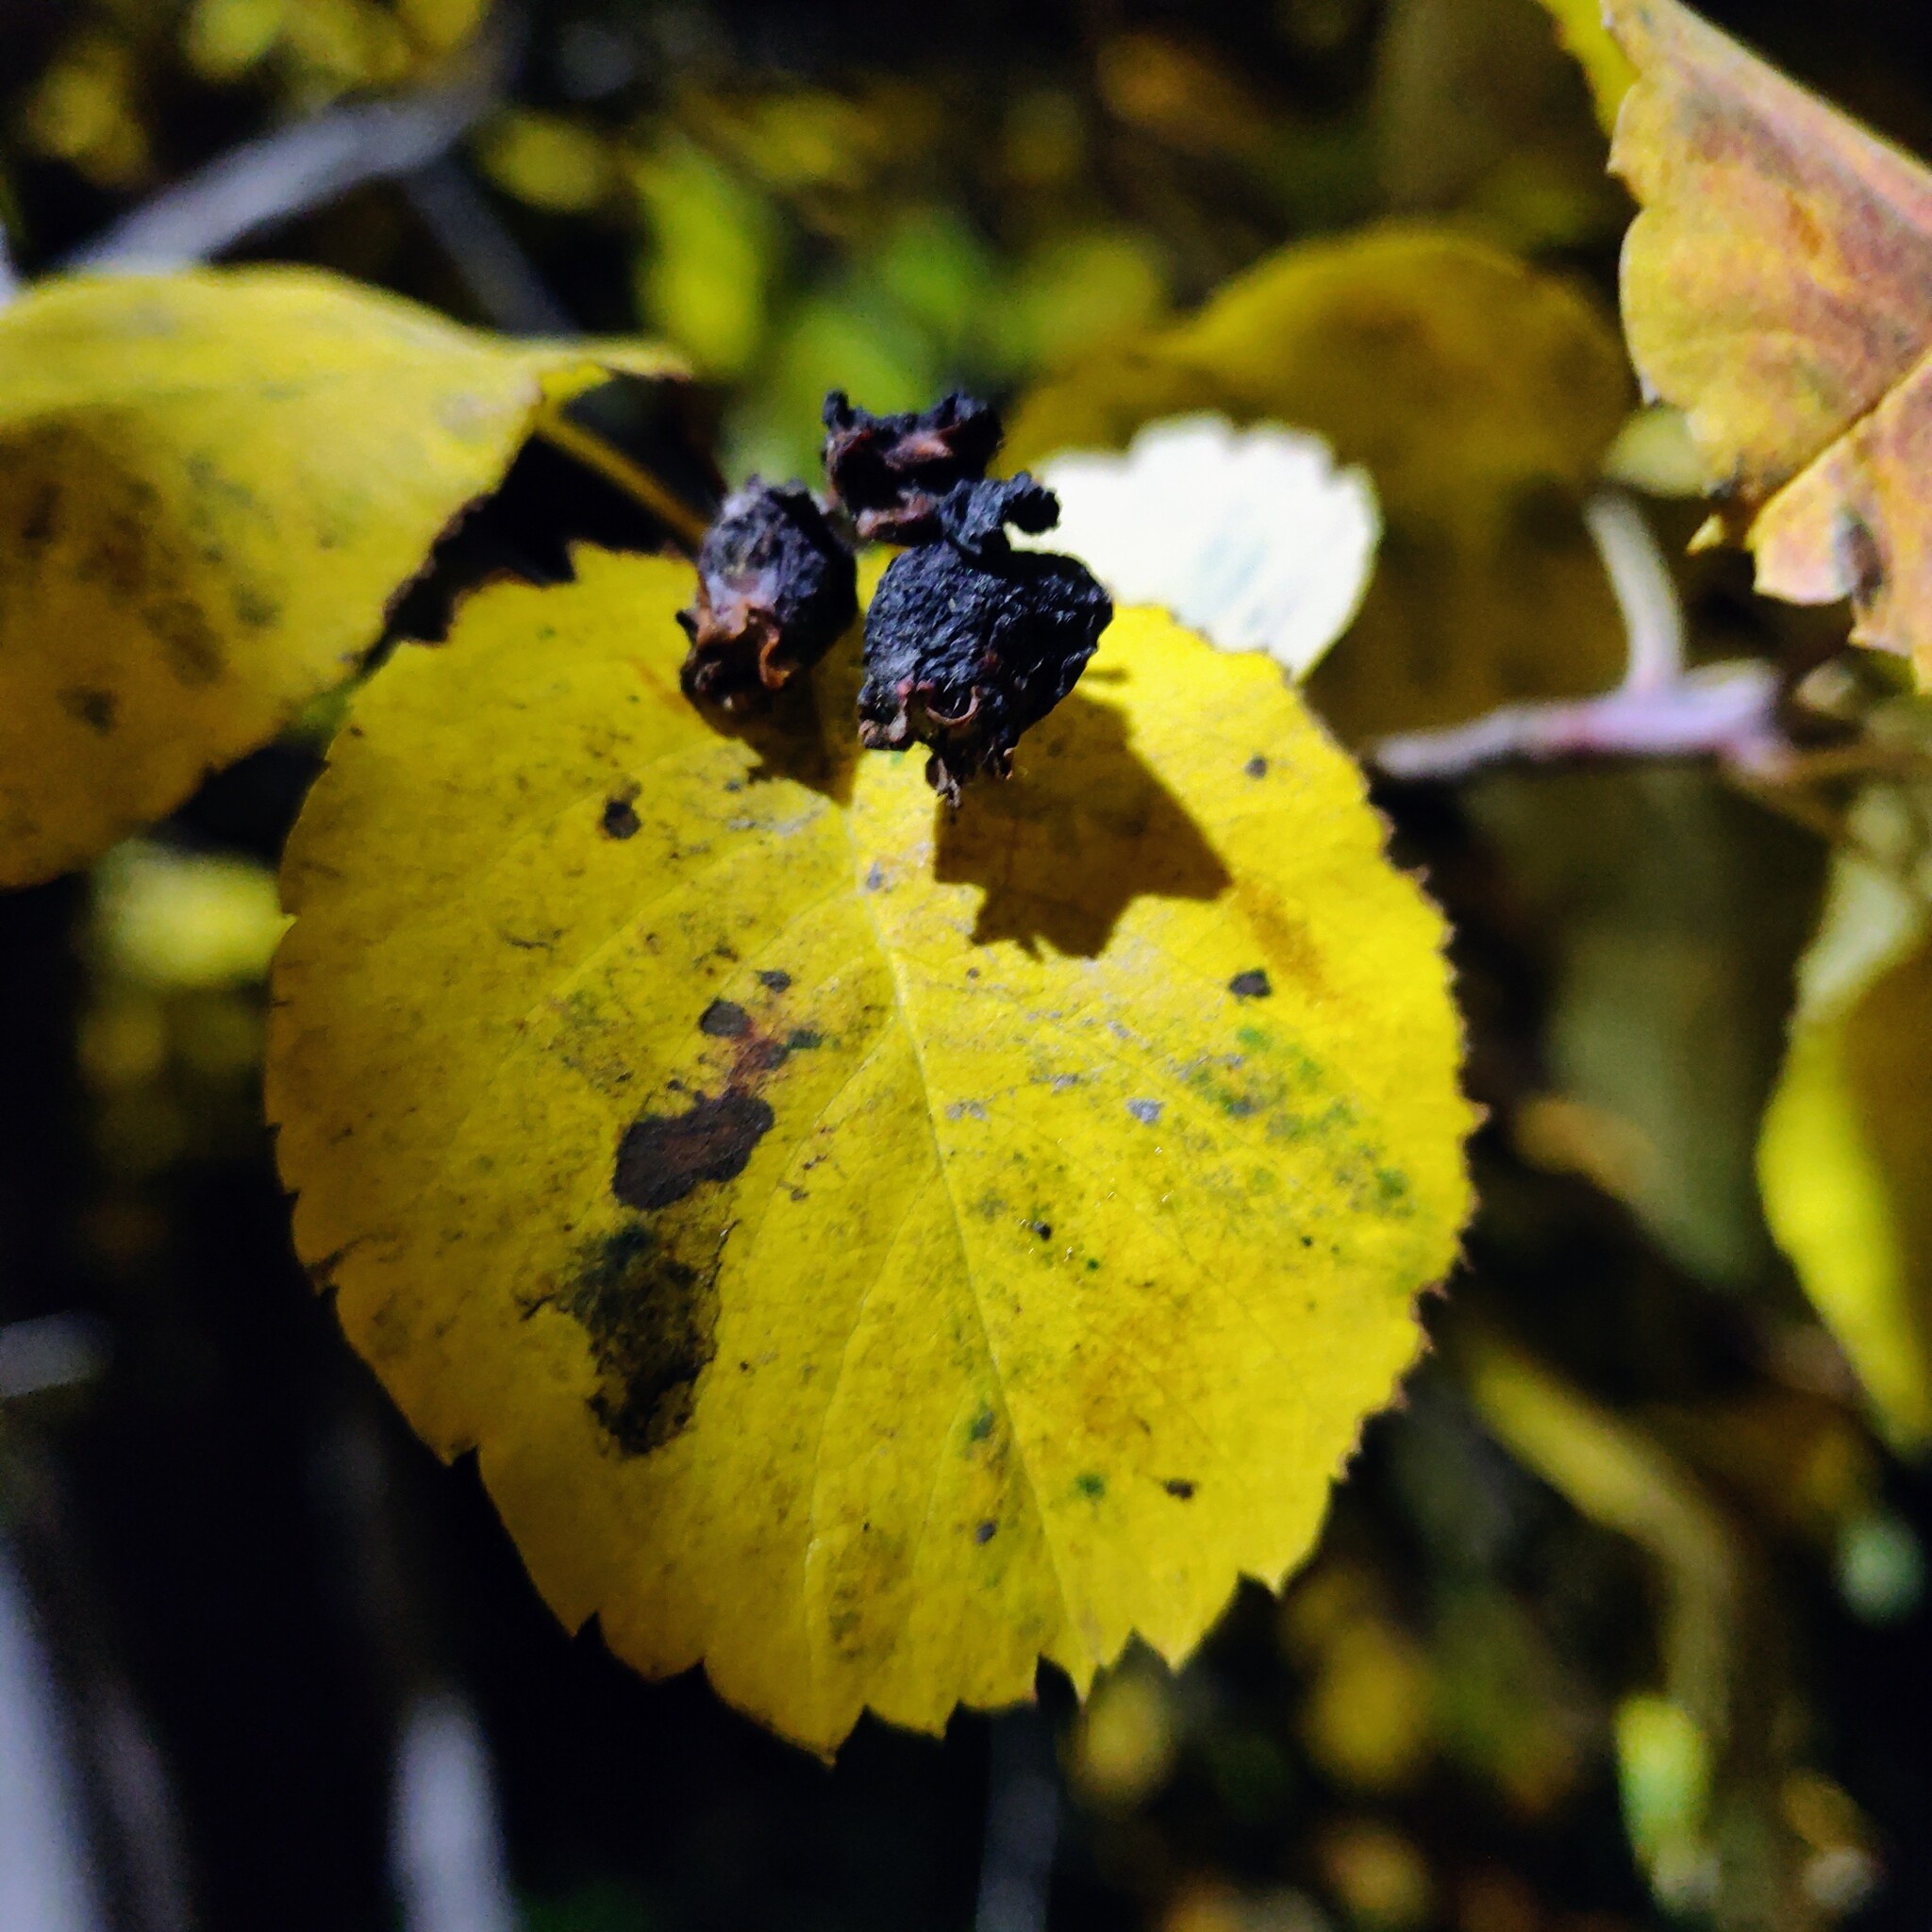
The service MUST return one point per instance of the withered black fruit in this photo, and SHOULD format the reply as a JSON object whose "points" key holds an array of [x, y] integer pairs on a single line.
{"points": [[892, 473], [974, 516], [968, 644], [777, 588]]}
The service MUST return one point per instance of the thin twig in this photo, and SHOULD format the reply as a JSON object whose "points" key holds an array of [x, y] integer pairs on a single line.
{"points": [[1658, 710], [269, 181], [501, 278], [1645, 592], [636, 481]]}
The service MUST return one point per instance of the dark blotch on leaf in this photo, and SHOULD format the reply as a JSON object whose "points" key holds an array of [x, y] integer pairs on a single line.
{"points": [[775, 981], [1250, 986], [967, 646], [620, 818], [1256, 767], [777, 587], [662, 1158], [985, 1533], [96, 710], [1179, 1488], [725, 1020], [892, 473], [651, 1320]]}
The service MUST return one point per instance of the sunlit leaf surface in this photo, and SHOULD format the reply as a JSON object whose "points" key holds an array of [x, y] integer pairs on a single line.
{"points": [[869, 1248]]}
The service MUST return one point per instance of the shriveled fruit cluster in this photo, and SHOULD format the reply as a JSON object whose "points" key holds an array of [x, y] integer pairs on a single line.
{"points": [[967, 642]]}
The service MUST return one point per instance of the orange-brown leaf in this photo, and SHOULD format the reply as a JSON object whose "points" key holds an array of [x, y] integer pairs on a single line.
{"points": [[1774, 288]]}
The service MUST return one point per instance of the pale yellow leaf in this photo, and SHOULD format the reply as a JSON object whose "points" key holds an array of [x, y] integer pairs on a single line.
{"points": [[1845, 1158], [211, 487], [869, 1249]]}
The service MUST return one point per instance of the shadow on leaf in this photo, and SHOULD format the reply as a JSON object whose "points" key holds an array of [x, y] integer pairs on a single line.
{"points": [[1081, 830], [807, 731]]}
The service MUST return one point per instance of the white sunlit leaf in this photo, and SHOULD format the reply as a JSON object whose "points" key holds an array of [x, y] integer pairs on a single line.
{"points": [[1251, 536]]}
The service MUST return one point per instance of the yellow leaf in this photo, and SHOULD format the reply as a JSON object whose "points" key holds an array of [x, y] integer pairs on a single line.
{"points": [[548, 161], [1774, 289], [1846, 1159], [1478, 393], [211, 486], [869, 1248], [1606, 66]]}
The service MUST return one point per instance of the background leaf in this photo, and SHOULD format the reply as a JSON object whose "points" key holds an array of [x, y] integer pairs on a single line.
{"points": [[1480, 396], [1845, 1158], [1250, 538], [1774, 289], [211, 487], [870, 1248]]}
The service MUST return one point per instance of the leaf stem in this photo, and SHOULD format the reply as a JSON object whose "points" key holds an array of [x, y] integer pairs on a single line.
{"points": [[637, 482]]}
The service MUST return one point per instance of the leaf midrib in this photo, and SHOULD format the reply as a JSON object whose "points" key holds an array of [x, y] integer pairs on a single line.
{"points": [[903, 1015]]}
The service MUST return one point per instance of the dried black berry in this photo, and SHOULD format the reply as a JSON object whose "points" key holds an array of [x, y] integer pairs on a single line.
{"points": [[972, 516], [969, 643], [775, 589], [893, 472]]}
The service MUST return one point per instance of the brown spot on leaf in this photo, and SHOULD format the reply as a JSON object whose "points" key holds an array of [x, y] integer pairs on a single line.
{"points": [[775, 981], [96, 710], [193, 651], [725, 1020], [1250, 986], [1179, 1488], [1256, 767], [663, 1157], [253, 606], [620, 820], [42, 515], [1286, 941]]}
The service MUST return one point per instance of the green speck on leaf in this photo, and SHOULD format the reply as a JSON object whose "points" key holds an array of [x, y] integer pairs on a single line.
{"points": [[1089, 1483]]}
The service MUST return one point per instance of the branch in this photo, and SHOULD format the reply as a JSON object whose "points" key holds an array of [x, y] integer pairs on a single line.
{"points": [[1658, 710], [1725, 711], [266, 182], [499, 276]]}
